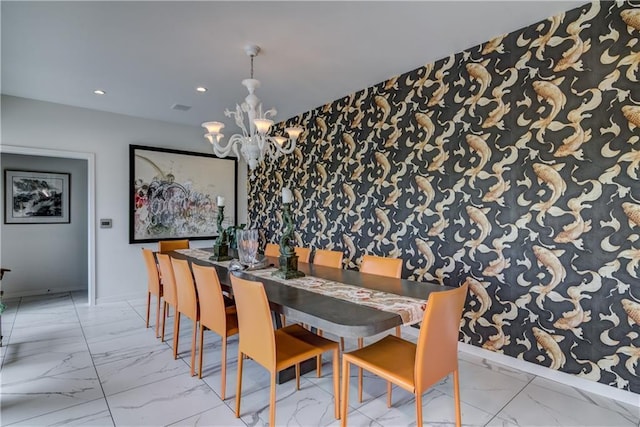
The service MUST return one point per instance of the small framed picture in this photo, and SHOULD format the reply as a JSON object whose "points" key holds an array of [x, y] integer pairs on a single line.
{"points": [[36, 197]]}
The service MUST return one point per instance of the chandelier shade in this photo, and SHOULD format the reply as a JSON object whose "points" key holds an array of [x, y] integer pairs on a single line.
{"points": [[254, 143]]}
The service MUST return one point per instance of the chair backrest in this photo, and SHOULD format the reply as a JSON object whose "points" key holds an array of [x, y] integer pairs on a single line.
{"points": [[257, 337], [153, 277], [272, 250], [186, 289], [381, 266], [210, 299], [168, 279], [328, 258], [303, 254], [165, 246], [437, 347]]}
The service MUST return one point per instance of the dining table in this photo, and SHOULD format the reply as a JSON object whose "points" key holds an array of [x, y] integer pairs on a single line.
{"points": [[349, 318]]}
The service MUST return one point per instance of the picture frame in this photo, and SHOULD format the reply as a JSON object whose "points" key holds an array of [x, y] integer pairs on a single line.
{"points": [[36, 197], [173, 194]]}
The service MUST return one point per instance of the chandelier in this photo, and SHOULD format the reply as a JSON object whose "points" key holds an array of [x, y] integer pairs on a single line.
{"points": [[254, 142]]}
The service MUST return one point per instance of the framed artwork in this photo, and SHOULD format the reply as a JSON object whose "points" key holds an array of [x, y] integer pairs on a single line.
{"points": [[174, 194], [32, 197]]}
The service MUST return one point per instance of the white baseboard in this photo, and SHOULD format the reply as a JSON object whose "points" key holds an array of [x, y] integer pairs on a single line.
{"points": [[551, 374], [38, 292]]}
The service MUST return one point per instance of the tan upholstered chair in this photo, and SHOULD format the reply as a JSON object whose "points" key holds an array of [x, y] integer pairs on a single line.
{"points": [[169, 292], [303, 254], [380, 266], [187, 305], [328, 258], [275, 349], [415, 367], [214, 315], [154, 287], [165, 246], [272, 250]]}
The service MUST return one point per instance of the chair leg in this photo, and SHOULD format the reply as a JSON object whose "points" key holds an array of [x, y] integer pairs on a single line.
{"points": [[239, 383], [176, 334], [193, 347], [319, 365], [418, 408], [201, 352], [456, 397], [360, 344], [272, 400], [158, 317], [341, 343], [148, 307], [224, 368], [336, 380], [297, 376], [398, 332], [388, 394], [344, 402], [164, 319]]}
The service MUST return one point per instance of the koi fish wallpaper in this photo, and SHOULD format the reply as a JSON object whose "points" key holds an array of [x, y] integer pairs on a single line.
{"points": [[512, 166]]}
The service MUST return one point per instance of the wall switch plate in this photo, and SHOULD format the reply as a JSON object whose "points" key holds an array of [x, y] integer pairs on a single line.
{"points": [[105, 223]]}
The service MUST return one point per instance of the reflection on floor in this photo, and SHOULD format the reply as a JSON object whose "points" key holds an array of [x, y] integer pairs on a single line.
{"points": [[66, 363]]}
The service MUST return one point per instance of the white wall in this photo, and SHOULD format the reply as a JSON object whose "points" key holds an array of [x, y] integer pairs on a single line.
{"points": [[47, 258], [29, 123]]}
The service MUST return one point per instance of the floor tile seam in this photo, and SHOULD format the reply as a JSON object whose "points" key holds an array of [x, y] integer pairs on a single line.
{"points": [[104, 396], [585, 401], [351, 414], [497, 414], [8, 337], [200, 413], [110, 395], [54, 411], [586, 397]]}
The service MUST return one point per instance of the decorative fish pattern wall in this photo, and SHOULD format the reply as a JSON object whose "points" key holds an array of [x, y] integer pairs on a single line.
{"points": [[512, 166]]}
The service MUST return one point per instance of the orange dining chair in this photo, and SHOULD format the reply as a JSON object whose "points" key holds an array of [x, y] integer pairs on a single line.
{"points": [[272, 250], [154, 287], [187, 305], [303, 254], [380, 266], [415, 367], [214, 315], [165, 246], [169, 291], [328, 258], [274, 349]]}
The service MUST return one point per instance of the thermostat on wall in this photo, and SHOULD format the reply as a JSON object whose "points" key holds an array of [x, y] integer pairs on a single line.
{"points": [[105, 223]]}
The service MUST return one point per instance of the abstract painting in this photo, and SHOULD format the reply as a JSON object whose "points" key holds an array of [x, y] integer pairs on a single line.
{"points": [[36, 197], [173, 194]]}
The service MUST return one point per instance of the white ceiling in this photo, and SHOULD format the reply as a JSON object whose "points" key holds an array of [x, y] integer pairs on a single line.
{"points": [[150, 55]]}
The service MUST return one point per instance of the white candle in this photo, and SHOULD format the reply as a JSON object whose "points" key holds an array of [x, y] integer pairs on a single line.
{"points": [[287, 195], [220, 201]]}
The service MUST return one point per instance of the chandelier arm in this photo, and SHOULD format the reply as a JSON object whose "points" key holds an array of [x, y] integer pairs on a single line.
{"points": [[238, 118], [291, 145], [270, 112], [223, 150]]}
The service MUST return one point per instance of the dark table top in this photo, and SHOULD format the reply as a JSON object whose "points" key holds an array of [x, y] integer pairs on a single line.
{"points": [[332, 315]]}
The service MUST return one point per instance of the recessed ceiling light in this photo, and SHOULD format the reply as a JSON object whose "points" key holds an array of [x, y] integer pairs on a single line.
{"points": [[99, 92], [201, 89]]}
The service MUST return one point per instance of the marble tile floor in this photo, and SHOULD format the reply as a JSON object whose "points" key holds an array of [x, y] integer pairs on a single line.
{"points": [[65, 363]]}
